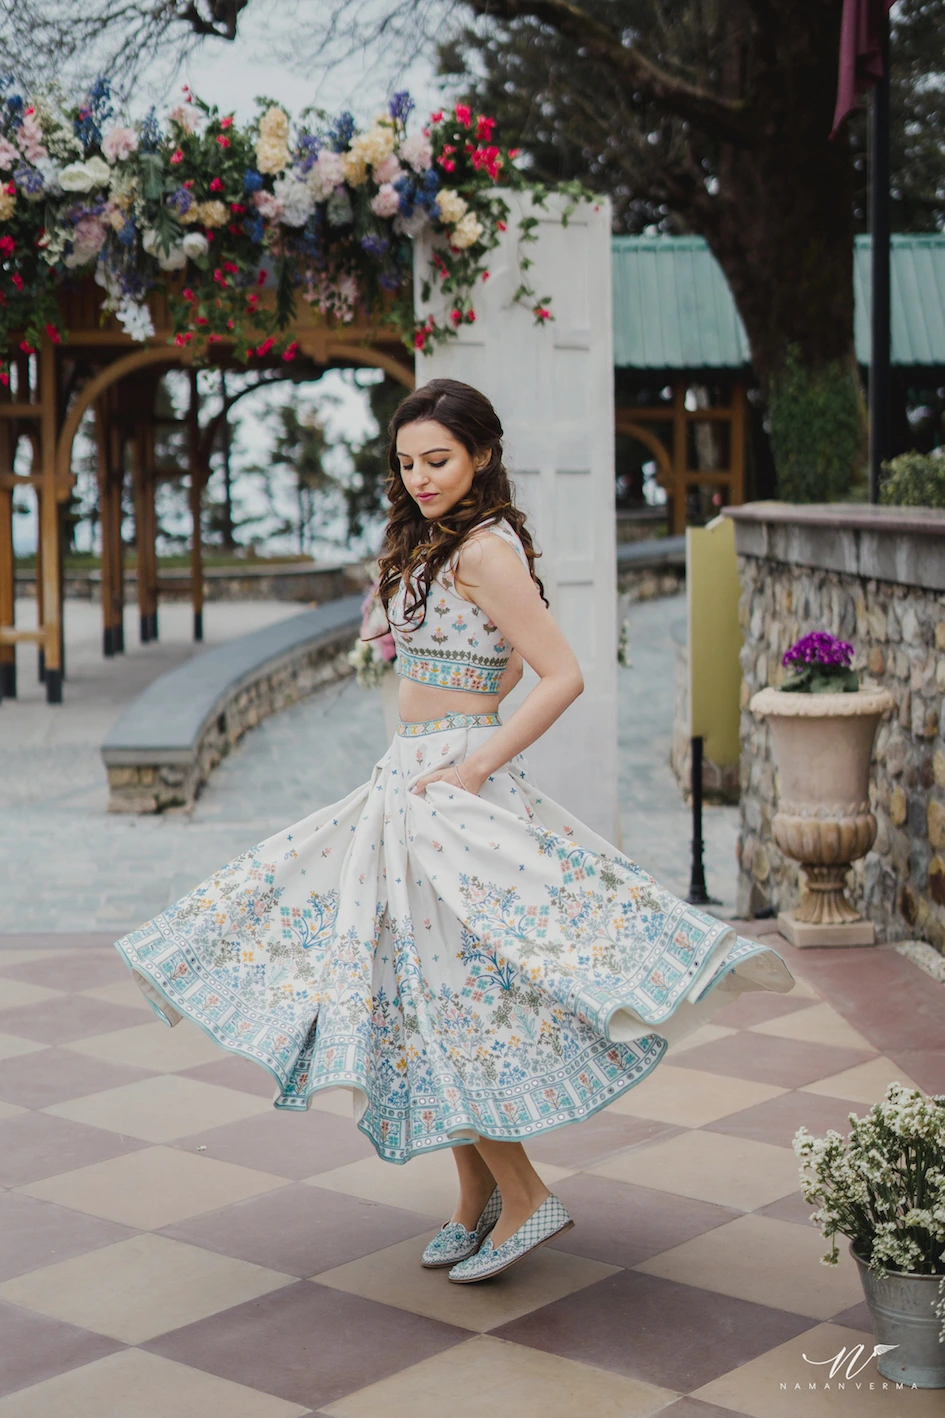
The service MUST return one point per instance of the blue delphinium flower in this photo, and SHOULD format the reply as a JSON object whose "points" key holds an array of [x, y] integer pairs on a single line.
{"points": [[253, 227], [96, 111], [341, 132], [183, 200], [28, 180], [374, 245], [126, 233], [388, 281], [150, 138], [310, 146], [401, 106], [252, 181]]}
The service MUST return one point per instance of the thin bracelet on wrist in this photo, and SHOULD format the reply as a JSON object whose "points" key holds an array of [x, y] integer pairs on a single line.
{"points": [[460, 777]]}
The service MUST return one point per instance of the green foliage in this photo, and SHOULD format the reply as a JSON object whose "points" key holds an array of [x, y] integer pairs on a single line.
{"points": [[822, 679], [817, 429], [914, 480]]}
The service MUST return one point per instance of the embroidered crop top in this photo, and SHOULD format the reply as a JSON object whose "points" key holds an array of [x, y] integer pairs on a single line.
{"points": [[454, 645]]}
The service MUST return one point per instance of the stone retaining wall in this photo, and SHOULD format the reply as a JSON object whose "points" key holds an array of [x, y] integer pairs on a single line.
{"points": [[876, 577], [166, 744]]}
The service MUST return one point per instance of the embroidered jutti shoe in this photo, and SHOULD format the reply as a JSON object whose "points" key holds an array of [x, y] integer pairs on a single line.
{"points": [[454, 1243], [543, 1225]]}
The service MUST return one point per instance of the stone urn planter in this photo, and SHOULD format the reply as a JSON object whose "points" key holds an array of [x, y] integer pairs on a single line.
{"points": [[823, 744]]}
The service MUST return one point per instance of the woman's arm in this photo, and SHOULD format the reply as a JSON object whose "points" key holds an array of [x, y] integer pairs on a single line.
{"points": [[499, 583]]}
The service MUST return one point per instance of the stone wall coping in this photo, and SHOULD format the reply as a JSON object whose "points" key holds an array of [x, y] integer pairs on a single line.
{"points": [[166, 722], [846, 516], [903, 546], [788, 705]]}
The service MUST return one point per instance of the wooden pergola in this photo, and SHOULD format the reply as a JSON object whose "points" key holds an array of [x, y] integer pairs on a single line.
{"points": [[98, 368]]}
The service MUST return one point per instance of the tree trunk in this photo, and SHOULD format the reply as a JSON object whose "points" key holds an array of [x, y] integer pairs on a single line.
{"points": [[782, 231]]}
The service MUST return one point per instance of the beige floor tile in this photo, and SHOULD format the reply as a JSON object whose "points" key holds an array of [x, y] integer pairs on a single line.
{"points": [[395, 1277], [27, 956], [802, 990], [141, 1287], [154, 1187], [865, 1083], [334, 1100], [705, 1034], [691, 1097], [14, 993], [124, 992], [819, 1024], [8, 1109], [157, 1109], [731, 1171], [770, 1262], [425, 1184], [153, 1045], [11, 1046], [136, 1384], [502, 1380], [776, 1384]]}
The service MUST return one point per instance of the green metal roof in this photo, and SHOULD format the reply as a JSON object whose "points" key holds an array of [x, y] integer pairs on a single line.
{"points": [[673, 308]]}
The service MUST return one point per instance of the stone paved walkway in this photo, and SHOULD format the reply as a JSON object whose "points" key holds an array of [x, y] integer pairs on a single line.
{"points": [[69, 866], [172, 1246]]}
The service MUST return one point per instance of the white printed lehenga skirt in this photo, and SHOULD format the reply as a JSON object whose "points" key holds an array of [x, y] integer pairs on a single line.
{"points": [[467, 965]]}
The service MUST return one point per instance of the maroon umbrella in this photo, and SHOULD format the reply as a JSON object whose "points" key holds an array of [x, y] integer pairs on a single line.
{"points": [[861, 52]]}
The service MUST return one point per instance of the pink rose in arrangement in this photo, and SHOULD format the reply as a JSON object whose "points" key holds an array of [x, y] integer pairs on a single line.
{"points": [[9, 156], [388, 169], [30, 136], [387, 201], [118, 144], [268, 206]]}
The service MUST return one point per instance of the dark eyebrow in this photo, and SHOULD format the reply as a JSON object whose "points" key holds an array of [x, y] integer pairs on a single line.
{"points": [[422, 455]]}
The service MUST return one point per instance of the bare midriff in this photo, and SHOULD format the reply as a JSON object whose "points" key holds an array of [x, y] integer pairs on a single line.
{"points": [[416, 702]]}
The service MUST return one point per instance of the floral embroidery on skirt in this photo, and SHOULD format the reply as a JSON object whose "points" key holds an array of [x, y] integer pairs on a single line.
{"points": [[466, 965]]}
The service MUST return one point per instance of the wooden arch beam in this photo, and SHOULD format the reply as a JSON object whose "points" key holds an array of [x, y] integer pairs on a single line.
{"points": [[127, 364], [648, 438]]}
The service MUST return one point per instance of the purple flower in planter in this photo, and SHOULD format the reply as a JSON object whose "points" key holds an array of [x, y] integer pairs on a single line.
{"points": [[819, 648]]}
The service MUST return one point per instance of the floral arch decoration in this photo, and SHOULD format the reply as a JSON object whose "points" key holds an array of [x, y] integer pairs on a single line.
{"points": [[237, 224]]}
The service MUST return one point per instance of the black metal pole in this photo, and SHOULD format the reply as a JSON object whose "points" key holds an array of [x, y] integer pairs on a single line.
{"points": [[698, 896], [879, 230]]}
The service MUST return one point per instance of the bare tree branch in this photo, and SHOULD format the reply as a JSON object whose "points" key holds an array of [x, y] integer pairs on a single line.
{"points": [[727, 118]]}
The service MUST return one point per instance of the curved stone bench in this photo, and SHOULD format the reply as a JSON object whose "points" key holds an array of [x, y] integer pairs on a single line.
{"points": [[163, 747]]}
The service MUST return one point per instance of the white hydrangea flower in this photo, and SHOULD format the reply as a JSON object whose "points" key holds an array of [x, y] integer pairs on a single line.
{"points": [[452, 206], [195, 244], [296, 199], [466, 232], [325, 174], [135, 319]]}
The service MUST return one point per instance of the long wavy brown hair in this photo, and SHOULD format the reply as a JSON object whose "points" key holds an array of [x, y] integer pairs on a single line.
{"points": [[418, 547]]}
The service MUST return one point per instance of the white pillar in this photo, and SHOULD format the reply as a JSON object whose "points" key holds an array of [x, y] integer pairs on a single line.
{"points": [[552, 386]]}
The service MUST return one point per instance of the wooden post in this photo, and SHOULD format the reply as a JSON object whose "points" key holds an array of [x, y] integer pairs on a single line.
{"points": [[50, 526], [7, 564], [736, 434], [680, 458], [116, 483], [196, 498]]}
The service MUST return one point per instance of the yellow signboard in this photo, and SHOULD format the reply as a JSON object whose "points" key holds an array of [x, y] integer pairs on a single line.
{"points": [[715, 638]]}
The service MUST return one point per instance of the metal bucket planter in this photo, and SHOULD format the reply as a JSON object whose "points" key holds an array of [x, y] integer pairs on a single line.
{"points": [[902, 1310]]}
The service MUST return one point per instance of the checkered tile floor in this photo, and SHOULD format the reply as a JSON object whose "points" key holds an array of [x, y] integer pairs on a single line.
{"points": [[170, 1245]]}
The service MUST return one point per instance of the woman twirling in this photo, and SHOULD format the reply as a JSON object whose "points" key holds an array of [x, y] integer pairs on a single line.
{"points": [[472, 963]]}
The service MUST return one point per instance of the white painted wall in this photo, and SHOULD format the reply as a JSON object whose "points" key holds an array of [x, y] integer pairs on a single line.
{"points": [[552, 386]]}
